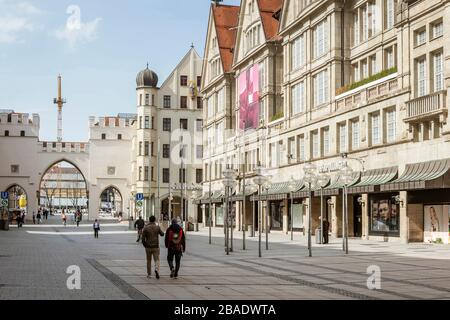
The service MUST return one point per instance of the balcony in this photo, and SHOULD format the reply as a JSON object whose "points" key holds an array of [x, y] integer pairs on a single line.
{"points": [[426, 107]]}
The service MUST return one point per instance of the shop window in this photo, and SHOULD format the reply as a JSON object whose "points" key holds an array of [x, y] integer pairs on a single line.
{"points": [[384, 216]]}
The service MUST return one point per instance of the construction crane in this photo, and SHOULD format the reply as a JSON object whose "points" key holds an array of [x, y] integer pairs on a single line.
{"points": [[60, 102]]}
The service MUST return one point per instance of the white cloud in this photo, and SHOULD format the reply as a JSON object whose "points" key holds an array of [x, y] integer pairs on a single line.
{"points": [[84, 32], [15, 19]]}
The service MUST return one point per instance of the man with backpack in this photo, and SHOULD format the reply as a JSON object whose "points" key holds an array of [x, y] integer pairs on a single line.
{"points": [[139, 224], [150, 240], [176, 244]]}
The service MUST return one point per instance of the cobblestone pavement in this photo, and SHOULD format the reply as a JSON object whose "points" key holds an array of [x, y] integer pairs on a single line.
{"points": [[33, 263]]}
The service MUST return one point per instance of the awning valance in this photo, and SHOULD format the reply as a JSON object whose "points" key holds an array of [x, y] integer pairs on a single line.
{"points": [[337, 184], [217, 196], [239, 196], [372, 179], [424, 175], [278, 191], [203, 199]]}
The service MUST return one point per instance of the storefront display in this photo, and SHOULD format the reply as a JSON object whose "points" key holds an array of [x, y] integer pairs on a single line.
{"points": [[297, 218], [436, 223], [384, 217], [276, 215], [219, 216]]}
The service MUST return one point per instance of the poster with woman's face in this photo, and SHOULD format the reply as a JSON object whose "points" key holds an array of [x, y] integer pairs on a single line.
{"points": [[436, 223]]}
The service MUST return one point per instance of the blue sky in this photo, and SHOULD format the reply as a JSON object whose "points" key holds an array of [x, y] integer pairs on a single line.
{"points": [[98, 55]]}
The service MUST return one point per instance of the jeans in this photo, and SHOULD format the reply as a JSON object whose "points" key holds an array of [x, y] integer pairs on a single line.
{"points": [[152, 252], [96, 233], [170, 255]]}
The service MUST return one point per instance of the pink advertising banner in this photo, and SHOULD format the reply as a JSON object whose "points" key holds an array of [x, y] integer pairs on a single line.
{"points": [[249, 98]]}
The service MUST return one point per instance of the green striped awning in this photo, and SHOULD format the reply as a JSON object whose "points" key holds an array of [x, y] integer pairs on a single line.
{"points": [[425, 175], [337, 184], [372, 179], [278, 191]]}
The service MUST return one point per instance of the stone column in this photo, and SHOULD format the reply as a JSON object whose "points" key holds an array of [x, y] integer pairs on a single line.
{"points": [[238, 214], [285, 216], [365, 217], [336, 216], [404, 219], [213, 212], [205, 223]]}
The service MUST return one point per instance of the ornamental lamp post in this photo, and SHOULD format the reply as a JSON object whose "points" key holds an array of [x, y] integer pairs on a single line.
{"points": [[309, 178], [322, 181], [267, 186], [229, 183], [259, 180], [347, 177], [292, 187]]}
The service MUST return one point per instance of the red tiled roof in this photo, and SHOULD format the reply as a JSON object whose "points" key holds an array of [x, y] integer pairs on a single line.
{"points": [[267, 9], [226, 18]]}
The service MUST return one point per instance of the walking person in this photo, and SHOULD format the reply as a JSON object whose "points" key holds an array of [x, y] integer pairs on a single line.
{"points": [[150, 240], [175, 242], [78, 218], [96, 228], [326, 228], [38, 216], [139, 224], [34, 218], [64, 218]]}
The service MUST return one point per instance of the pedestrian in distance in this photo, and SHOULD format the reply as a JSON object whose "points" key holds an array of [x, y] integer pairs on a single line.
{"points": [[326, 228], [139, 225], [78, 214], [34, 217], [96, 227], [38, 216], [175, 242], [19, 220], [64, 218], [150, 240]]}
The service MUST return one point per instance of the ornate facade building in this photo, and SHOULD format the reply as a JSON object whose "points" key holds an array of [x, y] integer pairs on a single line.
{"points": [[337, 84]]}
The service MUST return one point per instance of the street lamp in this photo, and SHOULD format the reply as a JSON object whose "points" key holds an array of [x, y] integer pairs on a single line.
{"points": [[259, 180], [229, 183], [292, 187], [322, 181], [347, 177], [309, 178], [267, 186]]}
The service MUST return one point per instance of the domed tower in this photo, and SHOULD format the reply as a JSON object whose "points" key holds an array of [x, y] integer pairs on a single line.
{"points": [[146, 135]]}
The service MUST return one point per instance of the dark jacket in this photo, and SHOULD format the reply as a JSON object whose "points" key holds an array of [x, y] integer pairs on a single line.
{"points": [[140, 224], [175, 228], [150, 235]]}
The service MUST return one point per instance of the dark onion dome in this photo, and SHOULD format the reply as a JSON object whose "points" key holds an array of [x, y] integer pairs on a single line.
{"points": [[147, 78]]}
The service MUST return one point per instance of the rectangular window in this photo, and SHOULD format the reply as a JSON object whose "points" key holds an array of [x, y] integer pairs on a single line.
{"points": [[140, 148], [182, 175], [146, 173], [183, 81], [356, 39], [390, 13], [298, 52], [421, 77], [140, 174], [420, 37], [119, 137], [372, 19], [22, 133], [219, 133], [199, 152], [167, 124], [437, 30], [103, 136], [438, 66], [199, 81], [166, 102], [199, 103], [384, 216], [210, 104], [355, 134], [166, 151], [373, 65], [147, 122], [315, 144], [262, 77], [147, 99], [343, 137], [301, 155], [184, 124], [146, 148], [166, 175], [198, 175], [298, 98], [320, 39], [6, 133], [365, 23], [356, 73], [199, 125], [183, 102], [221, 100], [140, 122], [364, 69], [376, 134], [325, 141], [390, 59], [391, 125], [152, 149], [291, 150], [321, 88]]}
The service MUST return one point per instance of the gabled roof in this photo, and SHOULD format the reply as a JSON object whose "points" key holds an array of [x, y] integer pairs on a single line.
{"points": [[186, 56], [267, 10], [225, 20]]}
